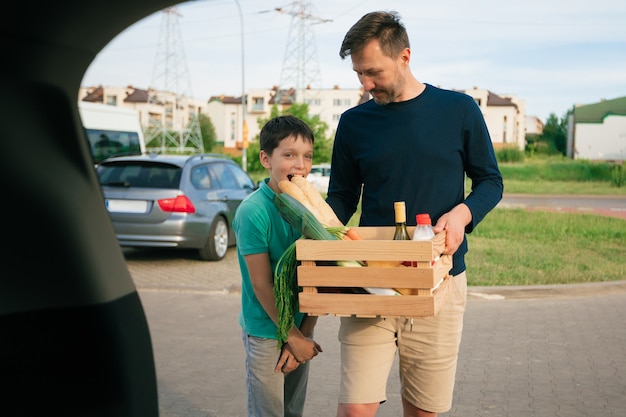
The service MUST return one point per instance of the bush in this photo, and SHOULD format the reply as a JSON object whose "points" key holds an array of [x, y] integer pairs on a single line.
{"points": [[560, 168], [618, 174], [509, 155]]}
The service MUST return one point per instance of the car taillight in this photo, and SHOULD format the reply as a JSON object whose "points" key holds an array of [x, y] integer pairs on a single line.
{"points": [[180, 204]]}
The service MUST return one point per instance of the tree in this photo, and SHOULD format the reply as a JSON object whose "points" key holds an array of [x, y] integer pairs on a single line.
{"points": [[555, 134], [209, 138], [322, 148]]}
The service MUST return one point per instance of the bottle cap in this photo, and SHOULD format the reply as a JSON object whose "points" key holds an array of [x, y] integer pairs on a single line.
{"points": [[399, 211], [423, 218]]}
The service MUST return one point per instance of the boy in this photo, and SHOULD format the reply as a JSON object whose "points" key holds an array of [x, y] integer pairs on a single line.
{"points": [[276, 380]]}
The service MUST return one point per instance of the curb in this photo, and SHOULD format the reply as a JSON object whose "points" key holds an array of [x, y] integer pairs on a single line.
{"points": [[546, 291]]}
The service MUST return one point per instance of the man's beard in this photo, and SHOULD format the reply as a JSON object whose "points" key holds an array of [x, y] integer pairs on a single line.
{"points": [[389, 95], [382, 100]]}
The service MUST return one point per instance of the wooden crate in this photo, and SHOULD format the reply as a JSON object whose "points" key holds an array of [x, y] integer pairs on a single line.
{"points": [[428, 282]]}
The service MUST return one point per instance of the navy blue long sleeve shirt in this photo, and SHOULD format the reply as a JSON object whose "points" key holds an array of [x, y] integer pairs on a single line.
{"points": [[417, 151]]}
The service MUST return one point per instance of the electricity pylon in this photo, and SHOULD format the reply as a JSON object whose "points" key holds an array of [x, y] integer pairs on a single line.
{"points": [[176, 120], [301, 67]]}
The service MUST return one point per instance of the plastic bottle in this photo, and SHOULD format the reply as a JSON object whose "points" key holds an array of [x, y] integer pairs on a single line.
{"points": [[424, 228]]}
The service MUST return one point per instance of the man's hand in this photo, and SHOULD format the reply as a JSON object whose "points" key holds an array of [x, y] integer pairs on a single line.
{"points": [[454, 222]]}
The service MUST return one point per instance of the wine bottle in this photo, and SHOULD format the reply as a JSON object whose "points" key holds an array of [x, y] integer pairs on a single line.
{"points": [[400, 215]]}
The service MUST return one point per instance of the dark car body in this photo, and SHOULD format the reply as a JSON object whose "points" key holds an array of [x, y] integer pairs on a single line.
{"points": [[75, 340], [174, 201]]}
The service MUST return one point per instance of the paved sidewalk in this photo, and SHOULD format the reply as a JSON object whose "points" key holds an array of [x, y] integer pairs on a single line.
{"points": [[527, 351]]}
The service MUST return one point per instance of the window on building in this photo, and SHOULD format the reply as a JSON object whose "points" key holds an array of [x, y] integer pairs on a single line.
{"points": [[110, 100], [257, 103], [504, 129], [341, 102]]}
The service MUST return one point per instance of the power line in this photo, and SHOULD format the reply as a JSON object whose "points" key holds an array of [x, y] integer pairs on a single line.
{"points": [[177, 121], [301, 67]]}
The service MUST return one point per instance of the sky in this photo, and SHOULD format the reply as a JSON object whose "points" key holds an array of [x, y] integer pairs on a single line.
{"points": [[552, 54]]}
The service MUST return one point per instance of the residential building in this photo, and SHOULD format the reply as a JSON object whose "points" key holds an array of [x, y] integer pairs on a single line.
{"points": [[226, 111], [598, 131], [534, 125], [166, 110], [504, 115]]}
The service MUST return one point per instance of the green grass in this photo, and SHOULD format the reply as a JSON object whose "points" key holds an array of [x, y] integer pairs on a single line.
{"points": [[519, 247]]}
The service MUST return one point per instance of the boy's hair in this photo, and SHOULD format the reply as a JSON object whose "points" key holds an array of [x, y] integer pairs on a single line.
{"points": [[281, 127], [384, 26]]}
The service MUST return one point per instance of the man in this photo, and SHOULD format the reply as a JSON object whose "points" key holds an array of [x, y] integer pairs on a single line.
{"points": [[415, 143]]}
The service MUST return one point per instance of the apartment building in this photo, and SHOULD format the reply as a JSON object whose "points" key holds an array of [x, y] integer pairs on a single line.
{"points": [[505, 115], [160, 108]]}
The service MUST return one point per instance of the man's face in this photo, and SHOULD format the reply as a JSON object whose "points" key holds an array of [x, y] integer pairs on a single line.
{"points": [[379, 74]]}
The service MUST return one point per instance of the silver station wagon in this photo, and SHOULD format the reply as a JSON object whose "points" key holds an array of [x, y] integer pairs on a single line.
{"points": [[174, 201]]}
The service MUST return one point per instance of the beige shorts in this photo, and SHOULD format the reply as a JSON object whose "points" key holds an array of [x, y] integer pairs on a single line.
{"points": [[427, 350]]}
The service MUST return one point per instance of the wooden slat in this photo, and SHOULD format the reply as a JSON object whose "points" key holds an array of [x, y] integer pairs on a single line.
{"points": [[369, 305], [363, 250], [374, 250], [338, 276]]}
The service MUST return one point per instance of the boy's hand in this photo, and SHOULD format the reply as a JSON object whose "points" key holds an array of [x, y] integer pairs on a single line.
{"points": [[286, 361], [303, 348]]}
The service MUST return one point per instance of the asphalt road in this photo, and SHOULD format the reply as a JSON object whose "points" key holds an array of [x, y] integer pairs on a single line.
{"points": [[608, 205], [526, 351]]}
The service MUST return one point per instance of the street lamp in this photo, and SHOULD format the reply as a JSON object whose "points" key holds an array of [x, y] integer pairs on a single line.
{"points": [[244, 128]]}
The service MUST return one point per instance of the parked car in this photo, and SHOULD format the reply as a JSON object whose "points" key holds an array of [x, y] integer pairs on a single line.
{"points": [[174, 201], [319, 176]]}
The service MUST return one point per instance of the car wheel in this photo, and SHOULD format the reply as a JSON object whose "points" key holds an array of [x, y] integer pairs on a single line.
{"points": [[217, 243]]}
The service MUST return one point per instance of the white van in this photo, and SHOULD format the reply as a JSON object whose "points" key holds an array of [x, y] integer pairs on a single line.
{"points": [[111, 130]]}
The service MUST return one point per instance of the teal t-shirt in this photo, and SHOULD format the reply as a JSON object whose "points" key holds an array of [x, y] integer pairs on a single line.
{"points": [[260, 228]]}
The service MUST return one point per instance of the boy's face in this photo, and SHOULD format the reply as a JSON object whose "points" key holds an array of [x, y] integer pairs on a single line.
{"points": [[293, 156]]}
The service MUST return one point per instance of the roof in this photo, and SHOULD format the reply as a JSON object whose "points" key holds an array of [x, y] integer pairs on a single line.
{"points": [[496, 100], [95, 95], [133, 95], [179, 160], [225, 99], [136, 95], [595, 113]]}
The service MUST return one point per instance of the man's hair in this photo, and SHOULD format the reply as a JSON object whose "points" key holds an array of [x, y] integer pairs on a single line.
{"points": [[384, 26], [281, 127]]}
